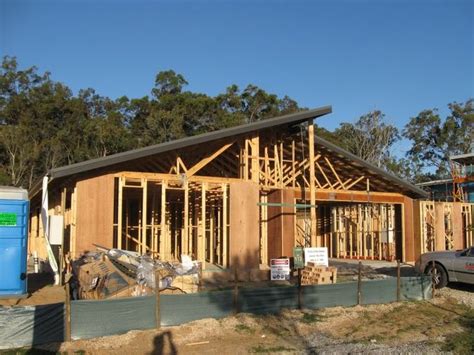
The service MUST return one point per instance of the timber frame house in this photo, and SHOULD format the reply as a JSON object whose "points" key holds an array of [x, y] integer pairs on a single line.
{"points": [[237, 197]]}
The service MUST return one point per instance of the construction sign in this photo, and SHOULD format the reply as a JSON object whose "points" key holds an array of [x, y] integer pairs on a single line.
{"points": [[280, 269], [318, 256]]}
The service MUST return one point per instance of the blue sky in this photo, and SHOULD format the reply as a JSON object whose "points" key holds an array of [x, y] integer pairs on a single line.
{"points": [[396, 56]]}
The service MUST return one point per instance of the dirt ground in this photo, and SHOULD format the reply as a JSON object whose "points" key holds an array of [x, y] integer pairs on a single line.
{"points": [[443, 324], [41, 290]]}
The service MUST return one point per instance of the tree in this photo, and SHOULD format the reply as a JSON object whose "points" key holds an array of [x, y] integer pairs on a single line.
{"points": [[424, 130], [434, 140], [168, 83], [370, 138]]}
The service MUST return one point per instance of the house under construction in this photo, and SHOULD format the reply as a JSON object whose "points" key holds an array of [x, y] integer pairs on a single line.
{"points": [[237, 197]]}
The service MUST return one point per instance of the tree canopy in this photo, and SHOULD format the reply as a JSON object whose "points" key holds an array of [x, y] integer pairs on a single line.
{"points": [[43, 124]]}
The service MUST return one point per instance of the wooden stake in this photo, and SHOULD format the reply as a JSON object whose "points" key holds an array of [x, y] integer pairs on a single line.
{"points": [[67, 322], [157, 299], [300, 291], [398, 281], [359, 285]]}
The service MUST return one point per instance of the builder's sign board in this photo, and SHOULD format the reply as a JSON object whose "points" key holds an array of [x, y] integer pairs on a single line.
{"points": [[280, 269], [319, 256], [298, 257]]}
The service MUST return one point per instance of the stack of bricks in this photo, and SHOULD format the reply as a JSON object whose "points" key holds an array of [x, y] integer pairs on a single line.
{"points": [[318, 275]]}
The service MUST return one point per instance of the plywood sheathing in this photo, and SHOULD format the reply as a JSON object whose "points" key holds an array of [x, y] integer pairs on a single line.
{"points": [[244, 225], [94, 214], [281, 221]]}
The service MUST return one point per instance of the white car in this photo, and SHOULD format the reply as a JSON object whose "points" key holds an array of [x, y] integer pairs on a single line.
{"points": [[449, 266]]}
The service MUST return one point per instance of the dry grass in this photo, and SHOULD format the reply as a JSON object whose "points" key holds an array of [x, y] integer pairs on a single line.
{"points": [[406, 322]]}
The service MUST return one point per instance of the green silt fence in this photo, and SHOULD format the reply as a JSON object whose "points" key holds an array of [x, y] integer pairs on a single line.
{"points": [[26, 326]]}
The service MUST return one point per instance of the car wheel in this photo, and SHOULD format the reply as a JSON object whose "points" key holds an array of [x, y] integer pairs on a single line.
{"points": [[438, 276]]}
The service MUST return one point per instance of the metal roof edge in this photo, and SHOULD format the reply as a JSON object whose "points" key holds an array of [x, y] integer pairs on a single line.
{"points": [[187, 141]]}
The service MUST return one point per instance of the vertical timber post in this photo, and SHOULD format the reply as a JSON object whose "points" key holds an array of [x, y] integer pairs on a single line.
{"points": [[359, 284], [164, 245], [143, 241], [67, 321], [119, 212], [300, 293], [312, 190], [224, 226], [157, 300], [185, 237], [398, 281], [202, 245]]}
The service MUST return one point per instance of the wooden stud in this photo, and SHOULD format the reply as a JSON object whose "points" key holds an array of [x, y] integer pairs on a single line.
{"points": [[224, 226], [120, 212], [143, 243], [164, 243], [185, 237], [255, 155], [312, 189], [154, 232], [211, 234], [202, 244]]}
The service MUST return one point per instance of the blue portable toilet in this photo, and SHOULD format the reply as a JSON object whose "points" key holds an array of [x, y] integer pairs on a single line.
{"points": [[14, 210]]}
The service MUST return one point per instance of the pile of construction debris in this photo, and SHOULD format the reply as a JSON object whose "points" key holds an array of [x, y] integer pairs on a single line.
{"points": [[113, 273]]}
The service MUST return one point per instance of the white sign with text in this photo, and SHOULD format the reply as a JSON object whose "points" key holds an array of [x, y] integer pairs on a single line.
{"points": [[319, 256]]}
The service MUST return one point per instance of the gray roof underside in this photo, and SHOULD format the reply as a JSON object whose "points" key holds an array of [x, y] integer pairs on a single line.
{"points": [[286, 120]]}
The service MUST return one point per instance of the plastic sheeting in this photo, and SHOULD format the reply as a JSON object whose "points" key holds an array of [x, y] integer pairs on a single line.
{"points": [[95, 318], [267, 300], [179, 309], [31, 325], [415, 288], [321, 296], [379, 291]]}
